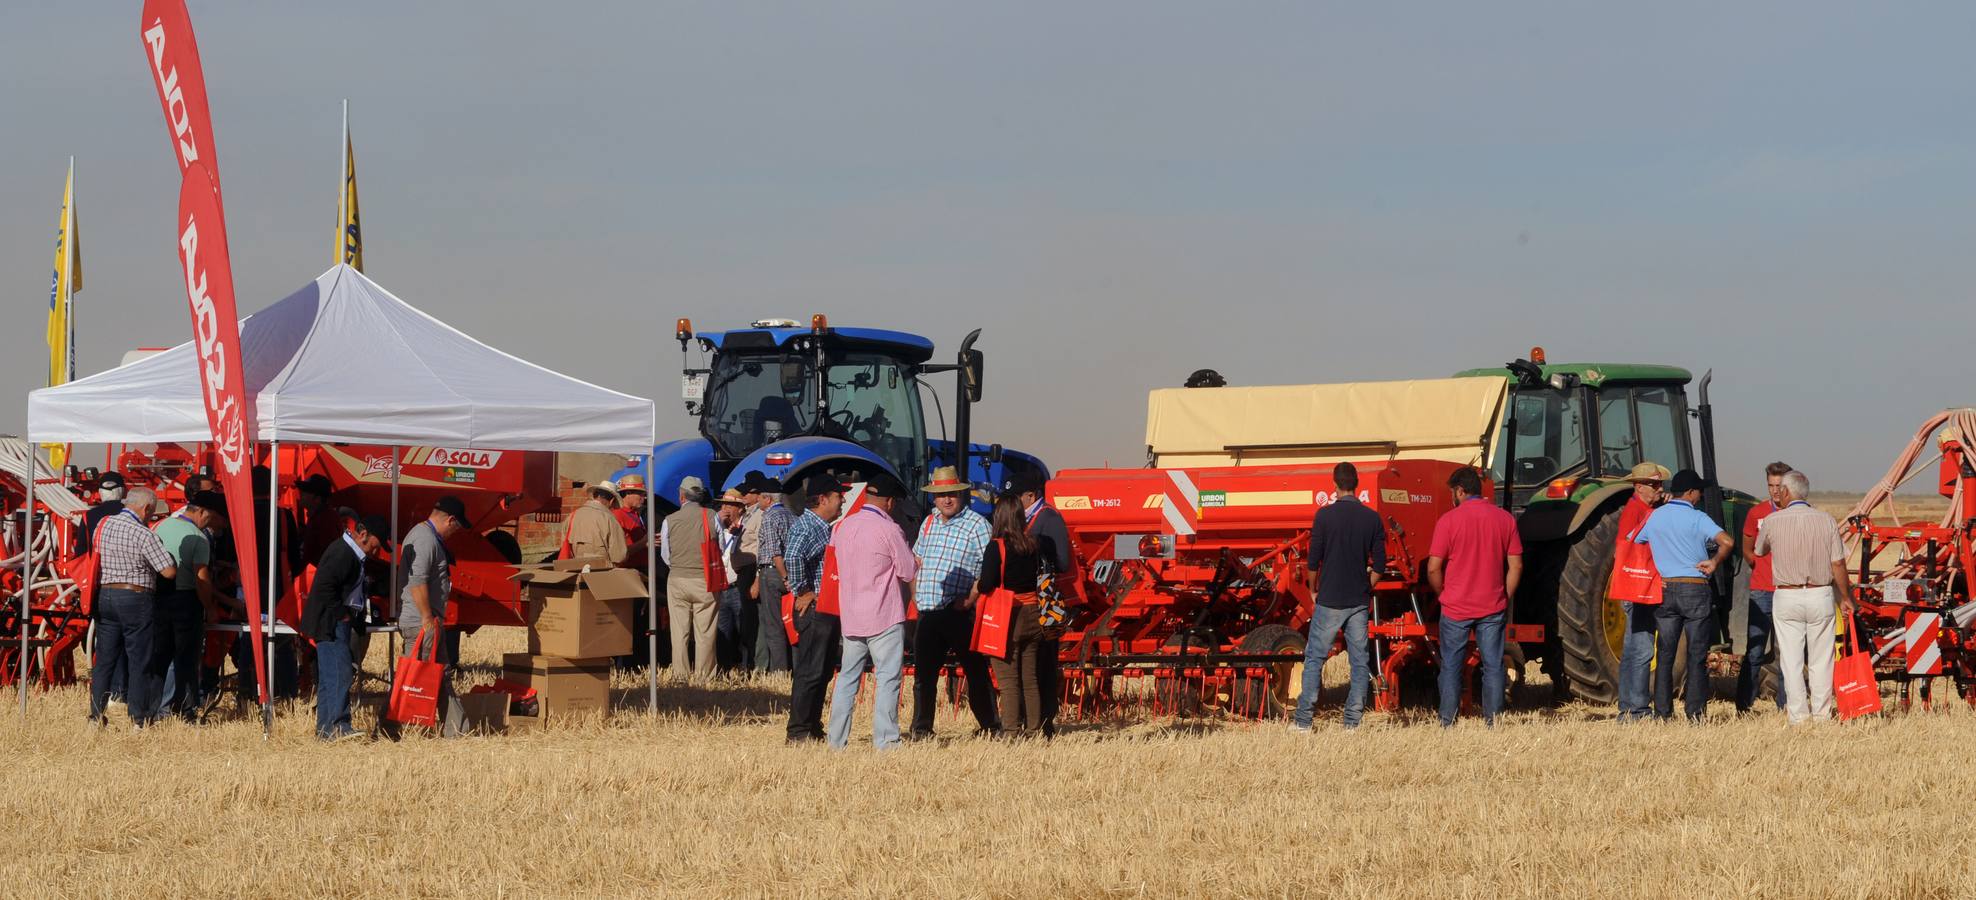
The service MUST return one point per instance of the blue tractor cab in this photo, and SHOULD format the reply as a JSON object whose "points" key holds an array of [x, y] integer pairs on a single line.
{"points": [[790, 401]]}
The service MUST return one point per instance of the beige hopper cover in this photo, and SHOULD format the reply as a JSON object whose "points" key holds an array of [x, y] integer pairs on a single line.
{"points": [[1451, 419]]}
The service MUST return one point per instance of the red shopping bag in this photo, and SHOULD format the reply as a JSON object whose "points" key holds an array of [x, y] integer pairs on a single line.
{"points": [[992, 615], [1853, 682], [789, 617], [710, 556], [826, 586], [415, 689]]}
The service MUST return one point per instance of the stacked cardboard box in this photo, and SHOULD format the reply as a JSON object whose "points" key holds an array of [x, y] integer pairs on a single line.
{"points": [[579, 617]]}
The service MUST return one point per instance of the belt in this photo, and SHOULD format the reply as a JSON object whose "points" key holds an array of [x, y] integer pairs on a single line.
{"points": [[1801, 587], [1685, 580], [127, 586]]}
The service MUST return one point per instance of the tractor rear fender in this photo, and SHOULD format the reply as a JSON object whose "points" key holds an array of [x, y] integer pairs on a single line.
{"points": [[1552, 520]]}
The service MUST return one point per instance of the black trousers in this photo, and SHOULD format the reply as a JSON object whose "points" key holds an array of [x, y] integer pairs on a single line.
{"points": [[1685, 610], [943, 633], [819, 644], [178, 641]]}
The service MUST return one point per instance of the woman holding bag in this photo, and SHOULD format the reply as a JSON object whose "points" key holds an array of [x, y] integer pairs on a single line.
{"points": [[1017, 561]]}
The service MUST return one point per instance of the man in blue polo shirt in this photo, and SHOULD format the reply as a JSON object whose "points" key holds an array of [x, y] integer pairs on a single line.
{"points": [[1679, 535]]}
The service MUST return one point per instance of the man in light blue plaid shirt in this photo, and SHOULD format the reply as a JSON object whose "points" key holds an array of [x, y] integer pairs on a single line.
{"points": [[950, 546]]}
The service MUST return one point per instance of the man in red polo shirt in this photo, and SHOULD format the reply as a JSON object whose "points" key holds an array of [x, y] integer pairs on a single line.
{"points": [[1473, 563], [1756, 652]]}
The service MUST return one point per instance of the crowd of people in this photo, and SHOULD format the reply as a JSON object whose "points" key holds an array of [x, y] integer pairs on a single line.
{"points": [[753, 585], [1666, 553]]}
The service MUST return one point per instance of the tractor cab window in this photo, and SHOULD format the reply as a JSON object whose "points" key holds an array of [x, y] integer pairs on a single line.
{"points": [[1641, 424], [758, 399], [874, 401], [1544, 437]]}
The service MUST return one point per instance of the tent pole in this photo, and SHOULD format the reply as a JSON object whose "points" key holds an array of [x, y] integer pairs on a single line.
{"points": [[27, 565], [274, 542], [651, 586], [391, 660]]}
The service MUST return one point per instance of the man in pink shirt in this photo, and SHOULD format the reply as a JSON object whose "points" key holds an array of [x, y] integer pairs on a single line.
{"points": [[1473, 563], [873, 561]]}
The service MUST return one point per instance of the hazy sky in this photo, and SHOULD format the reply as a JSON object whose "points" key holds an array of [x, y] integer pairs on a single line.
{"points": [[1117, 193]]}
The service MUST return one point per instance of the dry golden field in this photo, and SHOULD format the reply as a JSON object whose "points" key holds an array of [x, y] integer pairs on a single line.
{"points": [[705, 800]]}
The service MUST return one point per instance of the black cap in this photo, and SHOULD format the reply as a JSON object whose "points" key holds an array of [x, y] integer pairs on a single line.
{"points": [[823, 483], [1686, 480], [1023, 483], [451, 506], [884, 487], [376, 526], [769, 485], [110, 480], [315, 484], [210, 501], [751, 483]]}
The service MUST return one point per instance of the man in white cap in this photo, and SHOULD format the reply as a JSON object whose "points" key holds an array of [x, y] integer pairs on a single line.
{"points": [[594, 532], [683, 540]]}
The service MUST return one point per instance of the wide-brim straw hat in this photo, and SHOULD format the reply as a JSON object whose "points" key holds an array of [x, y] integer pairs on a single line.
{"points": [[606, 487], [630, 483], [734, 496], [946, 480], [1649, 471]]}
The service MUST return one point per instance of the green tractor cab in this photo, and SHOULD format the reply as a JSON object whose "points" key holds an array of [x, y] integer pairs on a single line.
{"points": [[1571, 434]]}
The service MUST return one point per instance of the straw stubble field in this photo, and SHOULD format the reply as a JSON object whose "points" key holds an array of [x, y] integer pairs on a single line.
{"points": [[705, 800]]}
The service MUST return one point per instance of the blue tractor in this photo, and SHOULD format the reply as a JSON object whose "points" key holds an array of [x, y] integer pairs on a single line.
{"points": [[791, 401]]}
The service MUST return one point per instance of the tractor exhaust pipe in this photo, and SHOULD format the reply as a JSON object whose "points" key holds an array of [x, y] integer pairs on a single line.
{"points": [[967, 390]]}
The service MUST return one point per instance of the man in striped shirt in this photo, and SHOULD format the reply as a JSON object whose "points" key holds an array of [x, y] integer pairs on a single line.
{"points": [[130, 560], [772, 575], [951, 542], [1808, 560]]}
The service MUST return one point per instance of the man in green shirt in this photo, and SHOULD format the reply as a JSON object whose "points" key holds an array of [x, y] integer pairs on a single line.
{"points": [[185, 604]]}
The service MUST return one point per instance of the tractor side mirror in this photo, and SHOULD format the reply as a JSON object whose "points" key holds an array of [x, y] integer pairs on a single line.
{"points": [[994, 454], [972, 363]]}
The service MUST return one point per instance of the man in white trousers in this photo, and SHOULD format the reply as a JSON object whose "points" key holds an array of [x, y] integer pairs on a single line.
{"points": [[1808, 562]]}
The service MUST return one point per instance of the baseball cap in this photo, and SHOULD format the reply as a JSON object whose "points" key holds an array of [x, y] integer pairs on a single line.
{"points": [[451, 506], [110, 480], [210, 501], [1686, 480], [884, 487], [690, 483], [823, 483], [1023, 483], [377, 526]]}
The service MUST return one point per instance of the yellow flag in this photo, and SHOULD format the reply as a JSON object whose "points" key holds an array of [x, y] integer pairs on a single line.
{"points": [[349, 230], [62, 286]]}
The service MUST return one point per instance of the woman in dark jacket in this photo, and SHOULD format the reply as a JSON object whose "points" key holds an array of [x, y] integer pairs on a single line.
{"points": [[1028, 558]]}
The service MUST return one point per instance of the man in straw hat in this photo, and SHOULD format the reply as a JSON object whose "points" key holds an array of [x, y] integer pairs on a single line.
{"points": [[1636, 585], [630, 513], [949, 549], [594, 532], [736, 641]]}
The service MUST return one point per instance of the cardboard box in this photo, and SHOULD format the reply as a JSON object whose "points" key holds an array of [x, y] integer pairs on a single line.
{"points": [[485, 713], [578, 614], [564, 687]]}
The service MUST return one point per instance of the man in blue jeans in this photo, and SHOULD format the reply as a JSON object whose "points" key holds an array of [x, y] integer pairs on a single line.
{"points": [[1347, 550], [338, 599], [1679, 534], [1473, 564], [1763, 586], [131, 560]]}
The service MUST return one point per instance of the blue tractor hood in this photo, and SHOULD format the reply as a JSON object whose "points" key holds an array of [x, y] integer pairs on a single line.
{"points": [[672, 461], [804, 454]]}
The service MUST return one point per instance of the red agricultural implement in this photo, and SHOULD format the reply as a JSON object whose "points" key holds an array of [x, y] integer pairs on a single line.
{"points": [[1912, 582], [498, 489], [1193, 572]]}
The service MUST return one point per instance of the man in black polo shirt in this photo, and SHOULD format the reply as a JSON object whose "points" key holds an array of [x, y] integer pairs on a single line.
{"points": [[1347, 547]]}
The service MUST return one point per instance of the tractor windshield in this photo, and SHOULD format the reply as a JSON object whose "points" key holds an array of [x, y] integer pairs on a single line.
{"points": [[1642, 422], [1544, 437], [875, 402], [758, 399]]}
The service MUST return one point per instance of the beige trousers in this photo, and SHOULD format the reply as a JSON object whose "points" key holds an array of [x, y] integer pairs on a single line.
{"points": [[693, 610], [1804, 620]]}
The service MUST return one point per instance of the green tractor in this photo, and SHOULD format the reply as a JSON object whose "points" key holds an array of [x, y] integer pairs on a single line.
{"points": [[1570, 436]]}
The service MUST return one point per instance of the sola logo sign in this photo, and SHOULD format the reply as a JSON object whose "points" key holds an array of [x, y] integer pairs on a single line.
{"points": [[454, 459], [223, 412], [172, 93]]}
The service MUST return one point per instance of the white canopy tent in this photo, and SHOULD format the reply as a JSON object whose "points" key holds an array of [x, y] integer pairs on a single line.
{"points": [[342, 360]]}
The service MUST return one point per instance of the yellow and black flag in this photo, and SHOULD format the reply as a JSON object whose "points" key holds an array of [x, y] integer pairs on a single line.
{"points": [[62, 286], [349, 230]]}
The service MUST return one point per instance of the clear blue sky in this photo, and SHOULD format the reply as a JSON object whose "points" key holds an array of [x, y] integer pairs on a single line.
{"points": [[1118, 193]]}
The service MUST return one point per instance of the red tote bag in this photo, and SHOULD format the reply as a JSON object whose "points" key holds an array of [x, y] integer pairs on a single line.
{"points": [[415, 689], [993, 614], [1634, 577], [710, 557], [1853, 682], [826, 586], [789, 617]]}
